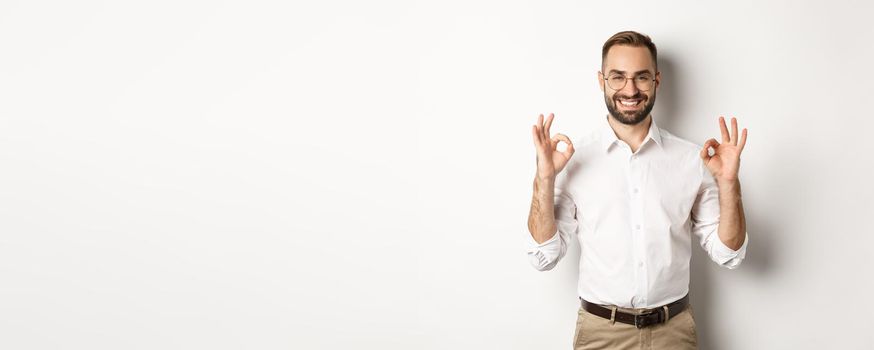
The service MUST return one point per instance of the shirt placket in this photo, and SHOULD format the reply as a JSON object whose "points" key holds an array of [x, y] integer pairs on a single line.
{"points": [[635, 192]]}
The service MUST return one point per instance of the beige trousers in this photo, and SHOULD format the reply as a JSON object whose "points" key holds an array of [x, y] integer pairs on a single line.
{"points": [[595, 332]]}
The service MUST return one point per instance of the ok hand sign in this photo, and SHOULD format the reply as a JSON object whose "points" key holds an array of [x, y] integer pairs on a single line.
{"points": [[725, 162], [550, 161]]}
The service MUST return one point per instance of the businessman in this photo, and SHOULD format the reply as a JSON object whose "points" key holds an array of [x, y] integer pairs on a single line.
{"points": [[634, 194]]}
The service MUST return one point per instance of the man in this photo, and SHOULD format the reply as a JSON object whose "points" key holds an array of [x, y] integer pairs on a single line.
{"points": [[633, 194]]}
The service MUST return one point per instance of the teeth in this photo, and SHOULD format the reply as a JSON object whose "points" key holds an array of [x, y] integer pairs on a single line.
{"points": [[629, 102]]}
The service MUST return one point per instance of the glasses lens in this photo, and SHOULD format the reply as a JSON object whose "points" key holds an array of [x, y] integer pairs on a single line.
{"points": [[643, 82], [616, 81]]}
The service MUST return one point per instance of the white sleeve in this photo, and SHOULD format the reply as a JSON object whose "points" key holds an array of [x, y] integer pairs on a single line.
{"points": [[705, 224], [544, 256]]}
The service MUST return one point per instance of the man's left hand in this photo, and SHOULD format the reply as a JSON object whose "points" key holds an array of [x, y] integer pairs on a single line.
{"points": [[725, 161]]}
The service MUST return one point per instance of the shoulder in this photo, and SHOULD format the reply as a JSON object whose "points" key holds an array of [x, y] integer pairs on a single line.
{"points": [[586, 146], [592, 138], [678, 144], [681, 152]]}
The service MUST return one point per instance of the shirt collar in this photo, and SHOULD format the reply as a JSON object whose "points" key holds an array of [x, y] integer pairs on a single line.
{"points": [[608, 137]]}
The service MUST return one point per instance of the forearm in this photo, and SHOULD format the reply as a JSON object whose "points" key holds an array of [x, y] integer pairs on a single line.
{"points": [[732, 225], [541, 218]]}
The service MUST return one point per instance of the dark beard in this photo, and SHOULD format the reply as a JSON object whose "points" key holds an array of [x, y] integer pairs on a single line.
{"points": [[631, 118]]}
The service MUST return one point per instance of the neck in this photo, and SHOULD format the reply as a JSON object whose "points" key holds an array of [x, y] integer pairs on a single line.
{"points": [[633, 135]]}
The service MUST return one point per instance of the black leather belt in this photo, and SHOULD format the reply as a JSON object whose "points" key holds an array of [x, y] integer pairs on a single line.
{"points": [[657, 315]]}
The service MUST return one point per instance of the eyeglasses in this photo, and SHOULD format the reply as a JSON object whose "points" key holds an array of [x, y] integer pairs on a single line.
{"points": [[644, 82]]}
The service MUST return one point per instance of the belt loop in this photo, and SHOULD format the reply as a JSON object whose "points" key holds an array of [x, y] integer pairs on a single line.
{"points": [[613, 315], [667, 313]]}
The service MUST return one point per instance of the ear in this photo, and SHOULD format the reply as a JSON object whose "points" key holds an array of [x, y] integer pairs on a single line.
{"points": [[658, 80], [600, 80]]}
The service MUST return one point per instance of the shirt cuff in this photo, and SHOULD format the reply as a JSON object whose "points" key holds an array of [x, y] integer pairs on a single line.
{"points": [[544, 256], [724, 254], [534, 245]]}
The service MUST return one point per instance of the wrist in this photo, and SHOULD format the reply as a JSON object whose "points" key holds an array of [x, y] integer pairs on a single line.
{"points": [[542, 179], [728, 182], [728, 187]]}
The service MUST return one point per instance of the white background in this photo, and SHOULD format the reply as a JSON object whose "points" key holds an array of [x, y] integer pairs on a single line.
{"points": [[331, 175]]}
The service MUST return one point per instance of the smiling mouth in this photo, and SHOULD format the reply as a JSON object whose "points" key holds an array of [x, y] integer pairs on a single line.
{"points": [[629, 102]]}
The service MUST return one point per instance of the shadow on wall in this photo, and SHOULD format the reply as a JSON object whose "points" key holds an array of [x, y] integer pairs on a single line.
{"points": [[703, 270]]}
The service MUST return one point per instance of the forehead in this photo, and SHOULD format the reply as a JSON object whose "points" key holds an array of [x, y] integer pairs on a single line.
{"points": [[628, 59]]}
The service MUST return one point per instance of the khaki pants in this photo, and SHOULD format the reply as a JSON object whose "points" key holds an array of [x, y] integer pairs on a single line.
{"points": [[594, 332]]}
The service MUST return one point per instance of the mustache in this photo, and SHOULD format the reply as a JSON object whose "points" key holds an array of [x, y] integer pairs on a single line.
{"points": [[636, 96]]}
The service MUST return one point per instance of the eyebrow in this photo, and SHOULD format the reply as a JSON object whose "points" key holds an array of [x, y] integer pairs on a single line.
{"points": [[623, 72]]}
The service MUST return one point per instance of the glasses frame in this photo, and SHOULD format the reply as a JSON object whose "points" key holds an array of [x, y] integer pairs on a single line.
{"points": [[607, 82]]}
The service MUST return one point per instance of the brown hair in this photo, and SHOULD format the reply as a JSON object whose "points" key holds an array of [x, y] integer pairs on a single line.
{"points": [[630, 38]]}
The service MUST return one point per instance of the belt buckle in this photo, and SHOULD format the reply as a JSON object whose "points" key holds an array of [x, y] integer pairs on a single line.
{"points": [[645, 320]]}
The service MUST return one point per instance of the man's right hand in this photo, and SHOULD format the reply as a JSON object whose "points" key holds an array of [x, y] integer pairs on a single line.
{"points": [[550, 161]]}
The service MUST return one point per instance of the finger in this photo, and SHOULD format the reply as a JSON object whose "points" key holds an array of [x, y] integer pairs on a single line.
{"points": [[570, 145], [743, 140], [536, 134], [712, 143], [734, 134], [539, 127], [722, 128], [543, 127], [548, 123], [705, 151]]}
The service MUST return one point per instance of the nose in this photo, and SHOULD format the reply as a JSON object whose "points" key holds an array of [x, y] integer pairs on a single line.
{"points": [[630, 88]]}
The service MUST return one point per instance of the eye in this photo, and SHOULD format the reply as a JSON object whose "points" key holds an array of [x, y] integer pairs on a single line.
{"points": [[616, 78], [642, 78]]}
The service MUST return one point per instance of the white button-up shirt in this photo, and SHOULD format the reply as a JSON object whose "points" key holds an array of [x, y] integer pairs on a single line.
{"points": [[634, 215]]}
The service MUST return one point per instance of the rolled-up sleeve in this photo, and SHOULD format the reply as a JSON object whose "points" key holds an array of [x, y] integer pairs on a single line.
{"points": [[544, 256], [705, 225]]}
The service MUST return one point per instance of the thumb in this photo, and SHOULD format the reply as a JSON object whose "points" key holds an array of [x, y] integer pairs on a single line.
{"points": [[705, 151], [570, 145]]}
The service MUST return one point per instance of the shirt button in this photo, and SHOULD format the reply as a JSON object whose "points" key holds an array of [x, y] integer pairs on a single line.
{"points": [[637, 227], [635, 190], [640, 264]]}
